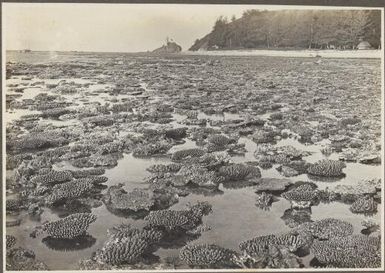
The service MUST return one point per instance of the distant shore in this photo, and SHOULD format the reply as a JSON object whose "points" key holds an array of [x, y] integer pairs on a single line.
{"points": [[350, 54], [365, 54]]}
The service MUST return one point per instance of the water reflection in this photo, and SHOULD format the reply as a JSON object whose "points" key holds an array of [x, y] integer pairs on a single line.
{"points": [[264, 200], [76, 207], [316, 264], [238, 184], [175, 240], [136, 215], [294, 217], [325, 179], [370, 230], [78, 243], [149, 259], [204, 191]]}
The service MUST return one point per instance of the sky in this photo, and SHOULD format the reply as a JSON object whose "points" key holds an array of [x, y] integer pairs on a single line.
{"points": [[111, 27], [108, 27]]}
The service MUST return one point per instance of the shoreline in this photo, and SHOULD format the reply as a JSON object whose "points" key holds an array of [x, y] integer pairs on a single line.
{"points": [[339, 54], [351, 54]]}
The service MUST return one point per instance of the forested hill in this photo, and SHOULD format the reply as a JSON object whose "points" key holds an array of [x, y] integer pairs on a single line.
{"points": [[294, 29]]}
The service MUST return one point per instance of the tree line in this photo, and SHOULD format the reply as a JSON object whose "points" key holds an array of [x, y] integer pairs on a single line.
{"points": [[343, 29]]}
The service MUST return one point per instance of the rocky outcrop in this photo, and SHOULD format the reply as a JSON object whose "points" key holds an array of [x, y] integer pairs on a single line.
{"points": [[170, 47]]}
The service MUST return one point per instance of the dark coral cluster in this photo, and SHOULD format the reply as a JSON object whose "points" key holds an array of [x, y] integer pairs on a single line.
{"points": [[275, 251], [52, 177], [54, 113], [151, 149], [119, 250], [177, 220], [363, 197], [196, 175], [101, 121], [364, 204], [168, 219], [21, 259], [69, 190], [219, 142], [176, 133], [208, 256], [302, 196], [123, 230], [264, 200], [327, 228], [273, 184], [327, 167], [126, 245], [259, 246], [160, 168], [187, 154], [294, 217], [35, 141], [289, 158], [67, 228], [213, 161], [136, 200], [353, 251], [10, 241], [12, 205], [236, 172]]}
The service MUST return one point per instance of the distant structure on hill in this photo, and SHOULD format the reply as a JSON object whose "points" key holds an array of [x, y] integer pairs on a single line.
{"points": [[364, 45], [26, 50], [169, 47]]}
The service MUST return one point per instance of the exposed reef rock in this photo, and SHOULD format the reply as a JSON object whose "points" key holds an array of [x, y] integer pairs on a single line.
{"points": [[170, 47]]}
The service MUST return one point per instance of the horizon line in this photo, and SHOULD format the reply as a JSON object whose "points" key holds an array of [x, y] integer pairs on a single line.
{"points": [[80, 51]]}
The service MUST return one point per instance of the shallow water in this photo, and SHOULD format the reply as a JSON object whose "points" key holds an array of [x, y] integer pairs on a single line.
{"points": [[235, 216], [131, 171]]}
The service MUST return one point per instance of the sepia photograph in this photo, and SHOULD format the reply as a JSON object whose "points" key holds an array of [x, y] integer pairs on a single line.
{"points": [[192, 137]]}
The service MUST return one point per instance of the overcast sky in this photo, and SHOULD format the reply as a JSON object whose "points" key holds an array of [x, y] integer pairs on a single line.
{"points": [[111, 27], [108, 27]]}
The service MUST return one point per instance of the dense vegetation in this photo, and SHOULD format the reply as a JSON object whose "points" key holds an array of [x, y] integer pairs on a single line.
{"points": [[294, 29]]}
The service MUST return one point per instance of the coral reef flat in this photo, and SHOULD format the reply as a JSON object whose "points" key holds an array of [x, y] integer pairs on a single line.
{"points": [[143, 161], [367, 54]]}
